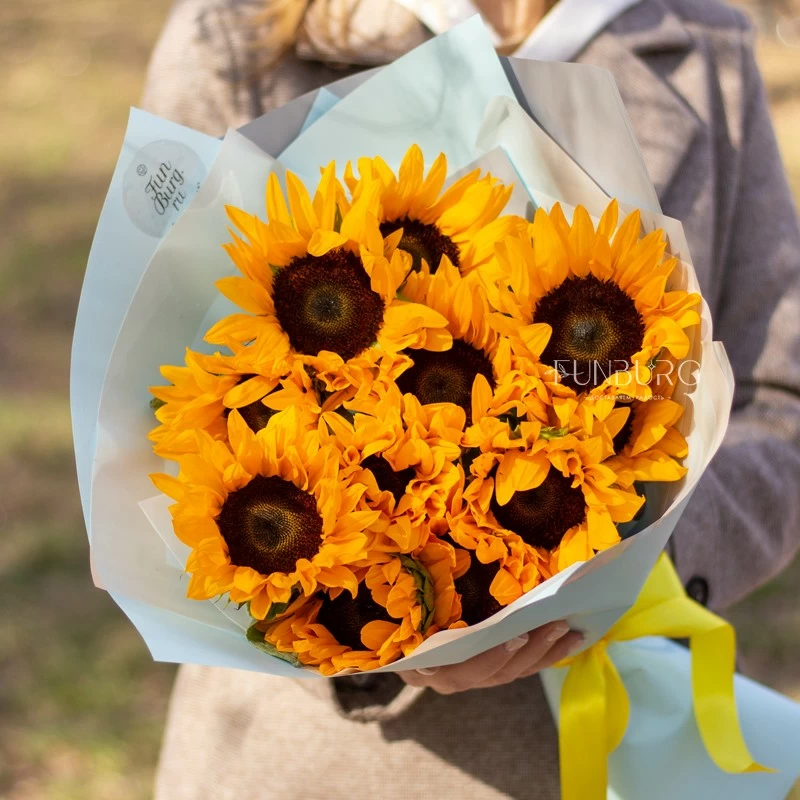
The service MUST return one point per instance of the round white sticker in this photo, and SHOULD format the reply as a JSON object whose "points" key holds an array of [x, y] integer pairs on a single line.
{"points": [[159, 183]]}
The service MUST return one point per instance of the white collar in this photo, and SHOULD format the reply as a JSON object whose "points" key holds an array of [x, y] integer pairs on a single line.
{"points": [[560, 36]]}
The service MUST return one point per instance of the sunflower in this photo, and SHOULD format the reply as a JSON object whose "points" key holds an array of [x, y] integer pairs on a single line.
{"points": [[639, 437], [316, 285], [267, 514], [194, 400], [602, 294], [400, 602], [478, 350], [548, 487], [405, 455], [647, 445], [203, 393], [460, 224], [494, 567]]}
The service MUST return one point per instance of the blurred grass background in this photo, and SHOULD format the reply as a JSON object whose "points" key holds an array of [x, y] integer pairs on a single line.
{"points": [[81, 703]]}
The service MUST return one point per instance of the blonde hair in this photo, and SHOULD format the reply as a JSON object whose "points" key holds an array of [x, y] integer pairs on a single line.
{"points": [[279, 22], [327, 26]]}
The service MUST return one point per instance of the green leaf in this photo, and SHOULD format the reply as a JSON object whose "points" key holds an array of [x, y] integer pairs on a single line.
{"points": [[548, 433], [156, 403], [276, 609], [256, 638], [337, 220], [425, 593]]}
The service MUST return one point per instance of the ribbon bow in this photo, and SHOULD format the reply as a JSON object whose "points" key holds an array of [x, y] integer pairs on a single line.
{"points": [[594, 707]]}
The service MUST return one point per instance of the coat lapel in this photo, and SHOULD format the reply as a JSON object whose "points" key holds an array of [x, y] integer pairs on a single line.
{"points": [[658, 69]]}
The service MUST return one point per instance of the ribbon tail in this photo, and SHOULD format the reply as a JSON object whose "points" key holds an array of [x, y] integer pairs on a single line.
{"points": [[618, 706], [713, 657], [582, 729], [663, 609]]}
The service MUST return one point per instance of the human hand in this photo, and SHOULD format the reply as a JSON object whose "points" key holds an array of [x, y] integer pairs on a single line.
{"points": [[517, 658]]}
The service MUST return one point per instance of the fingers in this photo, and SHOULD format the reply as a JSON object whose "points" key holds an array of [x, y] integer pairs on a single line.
{"points": [[523, 655], [564, 647], [418, 677], [543, 642], [469, 674]]}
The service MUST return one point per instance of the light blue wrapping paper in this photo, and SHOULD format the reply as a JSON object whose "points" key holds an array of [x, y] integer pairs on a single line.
{"points": [[442, 95], [121, 250], [125, 557], [553, 91], [323, 103], [662, 756], [129, 552], [436, 96], [119, 255]]}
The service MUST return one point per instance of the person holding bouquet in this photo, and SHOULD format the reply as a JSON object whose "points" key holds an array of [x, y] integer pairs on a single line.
{"points": [[687, 74]]}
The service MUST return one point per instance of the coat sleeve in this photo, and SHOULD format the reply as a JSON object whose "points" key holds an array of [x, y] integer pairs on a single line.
{"points": [[742, 526], [202, 72]]}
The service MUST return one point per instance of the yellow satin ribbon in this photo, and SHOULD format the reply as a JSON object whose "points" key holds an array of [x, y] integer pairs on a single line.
{"points": [[594, 707]]}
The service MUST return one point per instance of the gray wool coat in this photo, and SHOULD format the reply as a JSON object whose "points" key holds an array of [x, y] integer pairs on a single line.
{"points": [[687, 74]]}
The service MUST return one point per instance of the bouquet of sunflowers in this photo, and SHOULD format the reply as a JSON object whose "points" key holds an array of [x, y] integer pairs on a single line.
{"points": [[424, 407], [408, 379], [407, 402]]}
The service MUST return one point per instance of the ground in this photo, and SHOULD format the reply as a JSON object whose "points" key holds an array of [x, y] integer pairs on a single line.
{"points": [[82, 703]]}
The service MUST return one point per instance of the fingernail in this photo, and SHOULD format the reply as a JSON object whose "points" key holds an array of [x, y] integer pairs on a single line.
{"points": [[579, 642], [517, 643], [428, 670], [559, 630]]}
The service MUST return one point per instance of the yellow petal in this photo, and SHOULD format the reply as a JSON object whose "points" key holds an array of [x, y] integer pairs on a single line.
{"points": [[602, 531], [374, 634], [481, 397], [305, 218], [518, 472], [627, 235], [276, 204], [536, 337], [505, 588], [249, 391], [246, 223], [581, 241], [608, 222], [170, 486], [322, 242]]}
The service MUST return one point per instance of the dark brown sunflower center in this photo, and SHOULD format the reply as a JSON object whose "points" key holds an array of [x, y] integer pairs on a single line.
{"points": [[270, 525], [256, 415], [345, 616], [542, 516], [623, 436], [387, 479], [477, 603], [327, 303], [446, 377], [423, 241], [596, 330]]}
